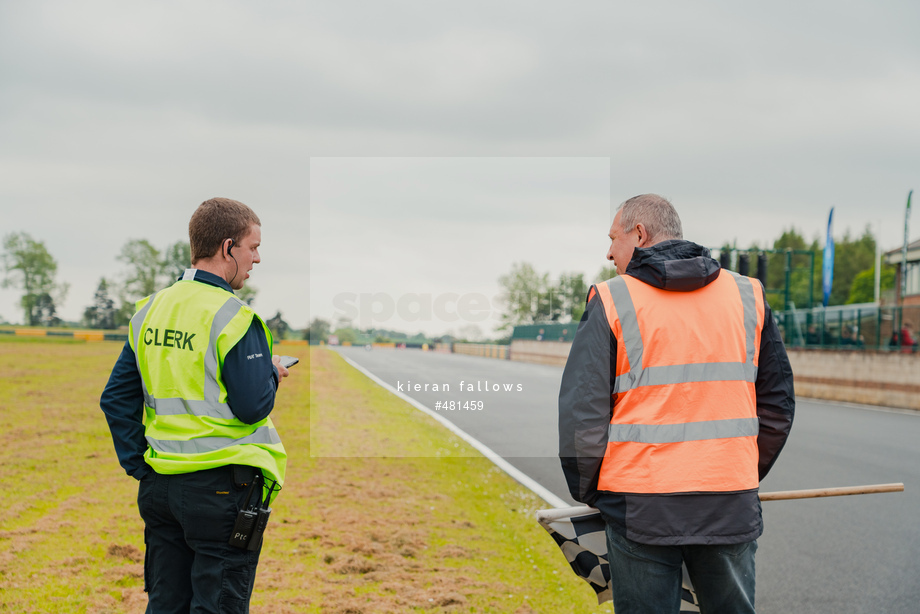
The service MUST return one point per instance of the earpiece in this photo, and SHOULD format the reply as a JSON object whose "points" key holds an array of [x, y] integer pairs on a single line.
{"points": [[236, 269]]}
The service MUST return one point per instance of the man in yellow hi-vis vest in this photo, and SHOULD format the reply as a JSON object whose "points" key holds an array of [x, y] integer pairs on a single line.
{"points": [[188, 405], [676, 399]]}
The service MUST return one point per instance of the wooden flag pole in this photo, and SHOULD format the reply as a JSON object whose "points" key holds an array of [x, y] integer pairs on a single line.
{"points": [[814, 493], [780, 495]]}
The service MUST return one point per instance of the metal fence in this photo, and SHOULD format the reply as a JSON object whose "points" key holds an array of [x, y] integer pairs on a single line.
{"points": [[851, 327], [545, 332]]}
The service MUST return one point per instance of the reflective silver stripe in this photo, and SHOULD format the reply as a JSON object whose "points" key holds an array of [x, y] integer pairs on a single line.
{"points": [[691, 431], [632, 337], [680, 374], [137, 323], [222, 318], [189, 274], [677, 374], [181, 407], [262, 435], [746, 288]]}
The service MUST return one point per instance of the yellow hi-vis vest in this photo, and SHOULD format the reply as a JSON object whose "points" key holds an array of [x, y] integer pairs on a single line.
{"points": [[180, 337], [685, 411]]}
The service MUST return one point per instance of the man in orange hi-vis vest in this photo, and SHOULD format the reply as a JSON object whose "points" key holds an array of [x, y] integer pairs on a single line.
{"points": [[676, 399]]}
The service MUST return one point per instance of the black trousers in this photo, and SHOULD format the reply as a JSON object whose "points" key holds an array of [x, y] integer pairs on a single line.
{"points": [[189, 567]]}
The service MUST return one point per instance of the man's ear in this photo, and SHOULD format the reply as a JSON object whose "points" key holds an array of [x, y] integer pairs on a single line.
{"points": [[641, 236]]}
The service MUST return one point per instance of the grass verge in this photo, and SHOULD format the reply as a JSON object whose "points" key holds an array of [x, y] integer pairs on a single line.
{"points": [[391, 513]]}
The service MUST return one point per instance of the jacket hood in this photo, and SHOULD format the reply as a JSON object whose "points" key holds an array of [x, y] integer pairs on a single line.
{"points": [[676, 265]]}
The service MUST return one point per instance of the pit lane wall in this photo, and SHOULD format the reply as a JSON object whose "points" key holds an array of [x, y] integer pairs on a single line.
{"points": [[890, 379], [540, 352], [487, 350]]}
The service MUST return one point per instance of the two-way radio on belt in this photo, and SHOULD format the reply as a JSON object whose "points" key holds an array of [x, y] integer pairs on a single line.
{"points": [[251, 522]]}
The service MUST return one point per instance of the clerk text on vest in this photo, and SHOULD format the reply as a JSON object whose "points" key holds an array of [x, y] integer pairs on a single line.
{"points": [[170, 338]]}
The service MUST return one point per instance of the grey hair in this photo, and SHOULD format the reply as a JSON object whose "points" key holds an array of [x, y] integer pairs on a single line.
{"points": [[654, 212]]}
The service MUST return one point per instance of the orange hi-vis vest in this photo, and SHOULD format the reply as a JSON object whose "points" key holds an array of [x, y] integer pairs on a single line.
{"points": [[685, 409]]}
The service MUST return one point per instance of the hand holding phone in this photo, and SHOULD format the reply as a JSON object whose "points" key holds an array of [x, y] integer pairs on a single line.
{"points": [[281, 365]]}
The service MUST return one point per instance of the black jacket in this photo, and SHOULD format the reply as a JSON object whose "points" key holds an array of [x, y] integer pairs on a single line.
{"points": [[585, 410]]}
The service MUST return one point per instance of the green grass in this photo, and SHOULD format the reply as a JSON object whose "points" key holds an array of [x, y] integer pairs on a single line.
{"points": [[383, 510]]}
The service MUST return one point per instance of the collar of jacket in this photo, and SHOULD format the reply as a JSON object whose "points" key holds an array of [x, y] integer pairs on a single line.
{"points": [[676, 265], [210, 279]]}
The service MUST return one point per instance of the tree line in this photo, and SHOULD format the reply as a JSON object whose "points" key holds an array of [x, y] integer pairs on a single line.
{"points": [[854, 270], [29, 267], [531, 297]]}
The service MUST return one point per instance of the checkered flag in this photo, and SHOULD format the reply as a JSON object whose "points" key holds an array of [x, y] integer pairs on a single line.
{"points": [[580, 533]]}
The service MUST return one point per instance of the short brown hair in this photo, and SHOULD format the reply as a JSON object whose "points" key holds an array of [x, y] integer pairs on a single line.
{"points": [[215, 221]]}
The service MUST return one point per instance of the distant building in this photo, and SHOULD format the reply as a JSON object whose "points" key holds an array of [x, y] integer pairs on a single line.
{"points": [[912, 270]]}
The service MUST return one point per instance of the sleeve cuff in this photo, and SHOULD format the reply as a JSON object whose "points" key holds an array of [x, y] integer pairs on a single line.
{"points": [[143, 472]]}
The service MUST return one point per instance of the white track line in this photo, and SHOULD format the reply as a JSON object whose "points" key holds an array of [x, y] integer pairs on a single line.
{"points": [[525, 480]]}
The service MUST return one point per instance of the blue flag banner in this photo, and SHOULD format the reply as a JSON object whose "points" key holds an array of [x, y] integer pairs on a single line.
{"points": [[904, 247], [580, 532], [829, 258]]}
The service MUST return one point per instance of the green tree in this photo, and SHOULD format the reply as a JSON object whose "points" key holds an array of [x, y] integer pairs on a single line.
{"points": [[247, 294], [144, 268], [606, 272], [570, 294], [176, 258], [102, 313], [30, 267], [45, 310], [278, 326], [318, 331], [346, 335], [530, 297], [851, 257], [526, 296], [142, 277], [862, 290], [802, 286]]}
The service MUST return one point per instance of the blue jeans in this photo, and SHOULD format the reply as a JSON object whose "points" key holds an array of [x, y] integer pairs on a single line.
{"points": [[646, 579], [188, 564]]}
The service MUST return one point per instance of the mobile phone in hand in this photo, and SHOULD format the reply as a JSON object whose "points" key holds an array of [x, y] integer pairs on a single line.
{"points": [[289, 361]]}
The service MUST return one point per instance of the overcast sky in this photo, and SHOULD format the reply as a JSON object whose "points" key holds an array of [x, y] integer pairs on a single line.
{"points": [[407, 149]]}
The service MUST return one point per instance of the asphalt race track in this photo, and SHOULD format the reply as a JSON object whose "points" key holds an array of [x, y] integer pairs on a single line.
{"points": [[840, 554]]}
